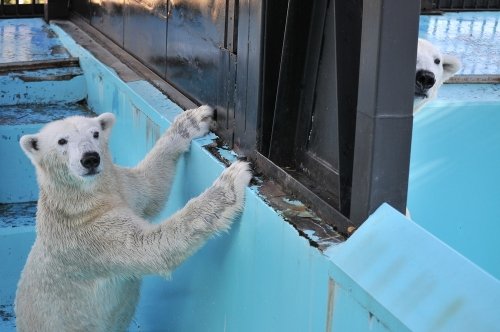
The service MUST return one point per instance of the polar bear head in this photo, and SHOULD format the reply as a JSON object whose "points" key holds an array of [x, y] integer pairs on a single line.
{"points": [[433, 69], [70, 151]]}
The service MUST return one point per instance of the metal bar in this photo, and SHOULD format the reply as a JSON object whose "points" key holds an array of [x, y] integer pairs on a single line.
{"points": [[248, 75], [385, 101], [348, 23], [293, 57]]}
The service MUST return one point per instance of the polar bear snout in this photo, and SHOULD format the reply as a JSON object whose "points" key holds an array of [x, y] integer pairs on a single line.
{"points": [[424, 81], [90, 161]]}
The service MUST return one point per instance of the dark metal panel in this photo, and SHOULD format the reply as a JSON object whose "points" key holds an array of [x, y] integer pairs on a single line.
{"points": [[275, 13], [82, 7], [384, 120], [317, 142], [226, 84], [248, 75], [226, 96], [196, 32], [348, 39], [282, 148], [231, 36], [322, 140], [107, 17], [145, 33]]}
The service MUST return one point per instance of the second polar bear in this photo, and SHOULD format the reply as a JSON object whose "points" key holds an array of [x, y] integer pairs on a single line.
{"points": [[93, 242], [433, 69]]}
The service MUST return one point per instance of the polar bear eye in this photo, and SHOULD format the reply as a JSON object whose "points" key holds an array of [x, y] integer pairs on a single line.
{"points": [[96, 134], [437, 61], [62, 141]]}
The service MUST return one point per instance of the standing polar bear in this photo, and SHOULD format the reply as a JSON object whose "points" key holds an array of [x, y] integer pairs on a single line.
{"points": [[93, 242], [433, 69]]}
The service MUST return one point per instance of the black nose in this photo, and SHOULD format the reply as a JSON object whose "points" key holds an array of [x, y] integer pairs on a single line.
{"points": [[425, 79], [90, 160]]}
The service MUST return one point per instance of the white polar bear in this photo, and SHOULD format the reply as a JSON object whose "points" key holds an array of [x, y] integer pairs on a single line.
{"points": [[93, 243], [433, 69]]}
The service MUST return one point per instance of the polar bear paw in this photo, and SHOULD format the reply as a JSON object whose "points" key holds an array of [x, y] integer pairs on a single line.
{"points": [[194, 123], [236, 178], [227, 195]]}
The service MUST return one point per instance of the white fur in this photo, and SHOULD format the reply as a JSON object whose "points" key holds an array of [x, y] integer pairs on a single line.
{"points": [[93, 242], [448, 65]]}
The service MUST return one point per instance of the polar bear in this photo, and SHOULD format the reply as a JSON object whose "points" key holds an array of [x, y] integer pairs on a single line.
{"points": [[93, 242], [433, 69]]}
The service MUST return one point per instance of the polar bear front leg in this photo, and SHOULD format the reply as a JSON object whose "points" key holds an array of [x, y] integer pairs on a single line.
{"points": [[203, 216], [160, 248], [187, 126], [153, 176]]}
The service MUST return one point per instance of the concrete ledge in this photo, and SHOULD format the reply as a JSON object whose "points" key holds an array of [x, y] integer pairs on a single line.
{"points": [[409, 274]]}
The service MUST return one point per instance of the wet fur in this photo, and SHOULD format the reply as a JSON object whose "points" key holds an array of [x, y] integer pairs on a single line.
{"points": [[94, 243]]}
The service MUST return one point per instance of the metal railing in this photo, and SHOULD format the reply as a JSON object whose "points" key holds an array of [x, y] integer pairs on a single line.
{"points": [[21, 8], [436, 6]]}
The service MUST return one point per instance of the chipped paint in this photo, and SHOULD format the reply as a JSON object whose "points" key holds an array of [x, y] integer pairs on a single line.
{"points": [[320, 235], [207, 139], [55, 85], [292, 201], [7, 316], [310, 234]]}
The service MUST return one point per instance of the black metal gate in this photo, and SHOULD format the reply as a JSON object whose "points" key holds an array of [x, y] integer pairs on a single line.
{"points": [[318, 94]]}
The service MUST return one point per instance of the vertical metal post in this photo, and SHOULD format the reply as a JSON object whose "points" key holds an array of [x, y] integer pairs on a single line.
{"points": [[248, 75], [384, 114]]}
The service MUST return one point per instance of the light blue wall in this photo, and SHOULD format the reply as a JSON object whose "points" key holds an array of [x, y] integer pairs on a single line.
{"points": [[454, 189]]}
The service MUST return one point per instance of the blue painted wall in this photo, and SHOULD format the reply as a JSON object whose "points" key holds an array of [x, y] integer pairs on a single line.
{"points": [[454, 186]]}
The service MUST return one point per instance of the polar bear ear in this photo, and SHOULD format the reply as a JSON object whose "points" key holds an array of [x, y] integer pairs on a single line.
{"points": [[29, 144], [451, 65], [106, 121]]}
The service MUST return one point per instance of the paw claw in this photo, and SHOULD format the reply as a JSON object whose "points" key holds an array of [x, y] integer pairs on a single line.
{"points": [[239, 173], [194, 123]]}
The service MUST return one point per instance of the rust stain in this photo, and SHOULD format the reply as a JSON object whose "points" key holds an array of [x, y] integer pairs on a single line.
{"points": [[448, 313], [330, 305]]}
